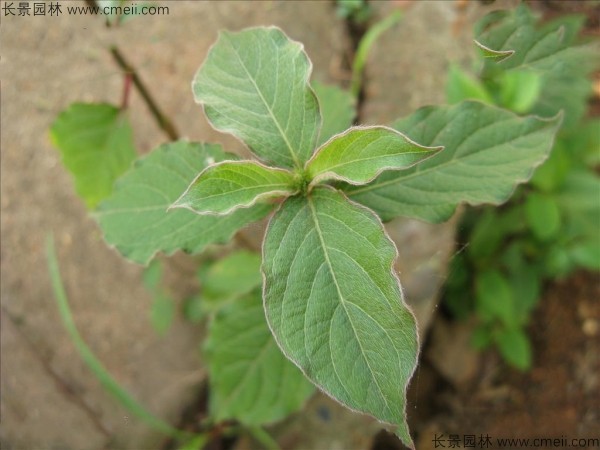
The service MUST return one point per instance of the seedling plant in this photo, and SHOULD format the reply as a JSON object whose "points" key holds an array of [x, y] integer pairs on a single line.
{"points": [[550, 226], [322, 305]]}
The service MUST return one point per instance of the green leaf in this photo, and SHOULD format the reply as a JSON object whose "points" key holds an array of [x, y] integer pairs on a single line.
{"points": [[229, 185], [254, 85], [552, 173], [334, 304], [193, 309], [96, 146], [196, 443], [488, 151], [515, 347], [543, 215], [494, 55], [250, 379], [152, 275], [550, 51], [481, 338], [494, 297], [587, 253], [486, 236], [520, 90], [373, 32], [135, 218], [462, 86], [359, 154], [567, 90], [545, 49], [162, 313], [578, 202], [232, 276], [338, 109]]}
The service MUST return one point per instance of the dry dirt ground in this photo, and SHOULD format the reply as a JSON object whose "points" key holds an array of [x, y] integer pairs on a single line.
{"points": [[49, 400]]}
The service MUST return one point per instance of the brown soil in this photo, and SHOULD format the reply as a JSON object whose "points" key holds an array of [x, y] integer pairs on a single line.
{"points": [[558, 398]]}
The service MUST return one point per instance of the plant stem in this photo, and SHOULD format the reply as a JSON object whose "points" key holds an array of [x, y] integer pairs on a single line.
{"points": [[362, 52], [107, 381], [261, 436], [126, 91], [163, 122]]}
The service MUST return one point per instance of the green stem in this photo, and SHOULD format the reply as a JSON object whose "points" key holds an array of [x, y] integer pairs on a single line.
{"points": [[362, 52], [107, 381], [264, 438]]}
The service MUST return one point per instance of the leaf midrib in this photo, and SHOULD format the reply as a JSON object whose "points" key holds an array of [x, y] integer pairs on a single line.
{"points": [[264, 100], [453, 160], [341, 296]]}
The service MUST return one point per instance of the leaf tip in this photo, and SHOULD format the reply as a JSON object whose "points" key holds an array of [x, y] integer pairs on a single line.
{"points": [[496, 55]]}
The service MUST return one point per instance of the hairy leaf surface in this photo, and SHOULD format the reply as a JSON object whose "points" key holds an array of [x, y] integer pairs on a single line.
{"points": [[335, 306], [358, 155], [224, 187], [254, 85], [96, 145], [250, 379], [135, 218], [488, 151]]}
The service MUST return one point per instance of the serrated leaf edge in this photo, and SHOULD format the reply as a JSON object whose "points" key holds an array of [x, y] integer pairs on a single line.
{"points": [[230, 131], [330, 175], [266, 195], [402, 303], [116, 186], [558, 118]]}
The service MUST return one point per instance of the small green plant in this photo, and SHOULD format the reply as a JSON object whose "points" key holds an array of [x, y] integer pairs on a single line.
{"points": [[334, 310], [550, 226]]}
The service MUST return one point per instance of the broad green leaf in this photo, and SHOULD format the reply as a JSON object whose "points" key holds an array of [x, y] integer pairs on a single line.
{"points": [[552, 173], [250, 379], [462, 86], [551, 51], [488, 151], [359, 154], [335, 306], [96, 146], [543, 215], [515, 347], [519, 90], [234, 275], [135, 218], [494, 297], [254, 85], [539, 48], [229, 185], [338, 109], [162, 313]]}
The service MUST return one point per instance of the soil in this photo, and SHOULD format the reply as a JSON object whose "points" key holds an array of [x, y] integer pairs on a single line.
{"points": [[558, 398]]}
